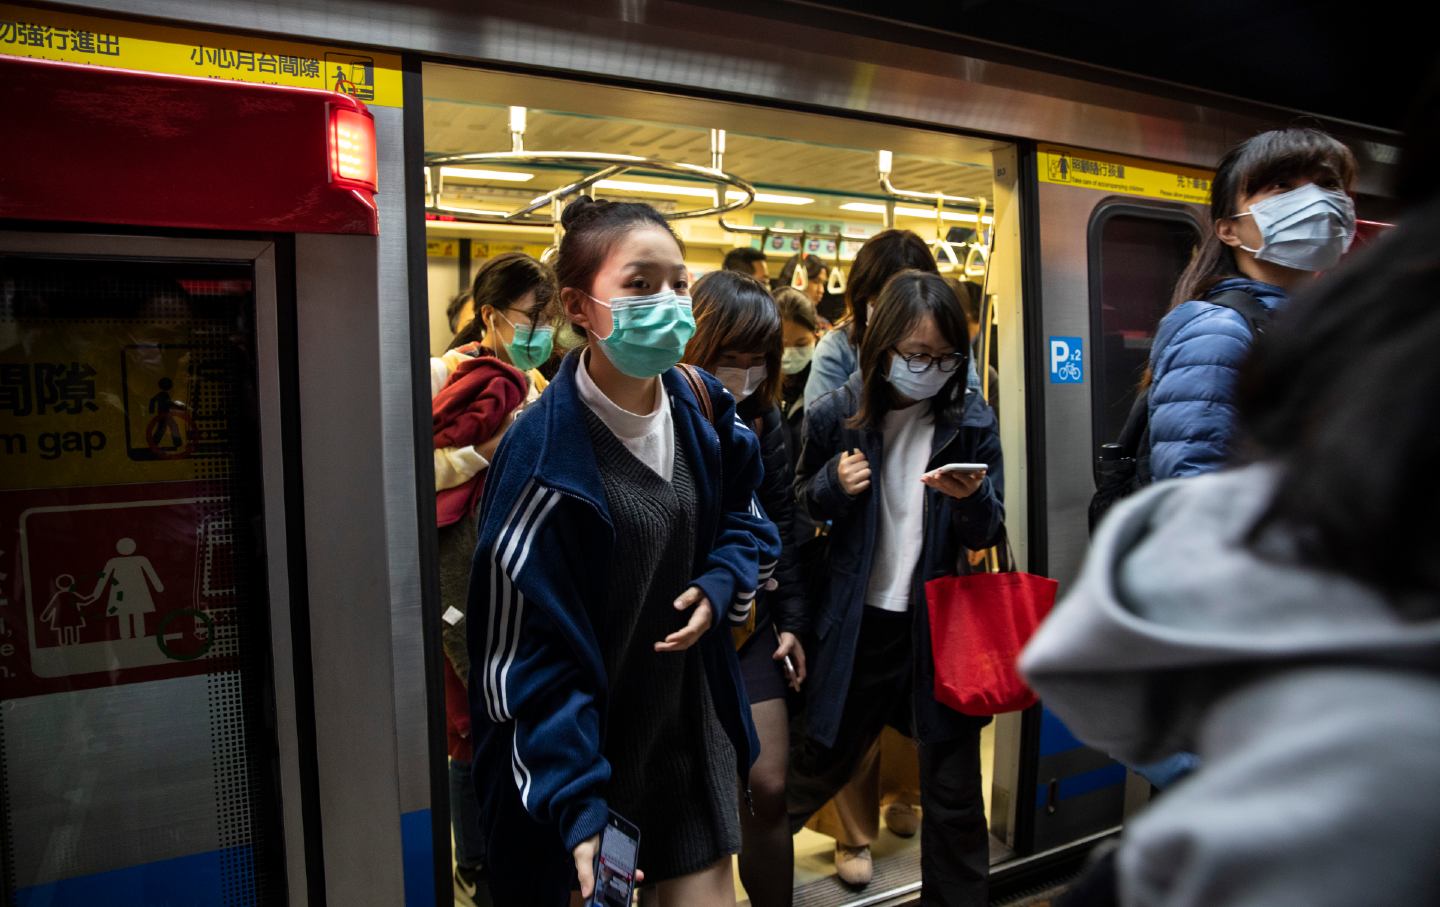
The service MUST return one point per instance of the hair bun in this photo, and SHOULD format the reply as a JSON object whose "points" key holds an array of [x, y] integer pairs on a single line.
{"points": [[580, 209]]}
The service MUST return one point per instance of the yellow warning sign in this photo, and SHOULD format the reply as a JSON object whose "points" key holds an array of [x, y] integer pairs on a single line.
{"points": [[1127, 175], [43, 34]]}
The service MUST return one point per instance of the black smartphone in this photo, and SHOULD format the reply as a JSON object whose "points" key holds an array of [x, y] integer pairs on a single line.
{"points": [[615, 863]]}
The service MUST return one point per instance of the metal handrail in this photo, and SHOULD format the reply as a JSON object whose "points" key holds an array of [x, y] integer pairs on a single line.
{"points": [[611, 165]]}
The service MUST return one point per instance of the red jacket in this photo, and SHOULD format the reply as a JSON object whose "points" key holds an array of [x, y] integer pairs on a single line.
{"points": [[477, 399]]}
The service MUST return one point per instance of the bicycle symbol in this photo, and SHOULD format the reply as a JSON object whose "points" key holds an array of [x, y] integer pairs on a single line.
{"points": [[1070, 371]]}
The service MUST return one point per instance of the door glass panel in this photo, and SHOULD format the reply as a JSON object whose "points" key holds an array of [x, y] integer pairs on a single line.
{"points": [[137, 755], [1140, 256]]}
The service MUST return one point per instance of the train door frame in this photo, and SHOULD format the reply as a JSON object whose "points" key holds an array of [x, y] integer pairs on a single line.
{"points": [[1011, 288]]}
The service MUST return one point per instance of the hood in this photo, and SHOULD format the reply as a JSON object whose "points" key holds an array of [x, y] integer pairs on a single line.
{"points": [[1172, 609]]}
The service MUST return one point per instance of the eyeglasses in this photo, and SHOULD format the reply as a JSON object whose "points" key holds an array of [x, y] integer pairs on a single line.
{"points": [[921, 362]]}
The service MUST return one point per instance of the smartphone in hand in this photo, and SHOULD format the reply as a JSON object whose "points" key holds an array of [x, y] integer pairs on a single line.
{"points": [[960, 467], [615, 863]]}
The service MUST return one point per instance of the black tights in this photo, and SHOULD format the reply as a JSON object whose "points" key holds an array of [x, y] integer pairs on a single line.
{"points": [[767, 852]]}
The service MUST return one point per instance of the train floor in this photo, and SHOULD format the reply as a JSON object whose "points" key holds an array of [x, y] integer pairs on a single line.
{"points": [[897, 860]]}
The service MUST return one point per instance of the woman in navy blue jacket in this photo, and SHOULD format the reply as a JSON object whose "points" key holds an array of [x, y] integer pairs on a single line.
{"points": [[868, 465], [618, 521], [1280, 212]]}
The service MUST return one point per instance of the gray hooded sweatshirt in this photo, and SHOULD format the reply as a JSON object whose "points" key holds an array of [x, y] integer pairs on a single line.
{"points": [[1314, 707]]}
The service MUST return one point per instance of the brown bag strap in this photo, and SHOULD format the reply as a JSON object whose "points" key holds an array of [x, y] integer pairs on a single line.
{"points": [[697, 387]]}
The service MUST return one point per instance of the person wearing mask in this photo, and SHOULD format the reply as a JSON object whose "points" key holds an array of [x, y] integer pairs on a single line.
{"points": [[738, 340], [800, 331], [477, 388], [749, 261], [1281, 619], [853, 820], [1280, 211], [816, 276], [868, 464], [618, 538], [881, 257]]}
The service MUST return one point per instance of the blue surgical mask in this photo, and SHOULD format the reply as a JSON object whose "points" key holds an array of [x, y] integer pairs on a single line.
{"points": [[648, 333], [1306, 229], [916, 385], [531, 346]]}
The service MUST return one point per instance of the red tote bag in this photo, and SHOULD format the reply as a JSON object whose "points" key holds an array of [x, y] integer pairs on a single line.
{"points": [[978, 625]]}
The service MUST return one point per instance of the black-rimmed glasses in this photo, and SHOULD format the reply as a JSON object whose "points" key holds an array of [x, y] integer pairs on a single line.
{"points": [[923, 362]]}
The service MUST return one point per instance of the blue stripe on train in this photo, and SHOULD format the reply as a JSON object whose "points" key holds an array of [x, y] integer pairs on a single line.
{"points": [[419, 858], [198, 879], [1083, 783], [1055, 737]]}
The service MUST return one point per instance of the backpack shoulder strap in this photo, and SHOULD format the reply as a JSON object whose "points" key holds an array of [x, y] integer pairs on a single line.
{"points": [[698, 388], [1256, 316], [1136, 424]]}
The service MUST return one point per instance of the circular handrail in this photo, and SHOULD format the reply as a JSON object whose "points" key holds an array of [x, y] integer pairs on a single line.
{"points": [[611, 165]]}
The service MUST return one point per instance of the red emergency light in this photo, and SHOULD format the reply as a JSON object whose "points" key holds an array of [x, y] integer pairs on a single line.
{"points": [[352, 148]]}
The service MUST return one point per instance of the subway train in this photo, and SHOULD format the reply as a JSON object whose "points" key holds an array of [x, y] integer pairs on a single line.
{"points": [[229, 234]]}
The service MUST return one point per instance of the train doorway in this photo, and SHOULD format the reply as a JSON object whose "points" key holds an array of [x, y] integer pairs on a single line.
{"points": [[505, 152]]}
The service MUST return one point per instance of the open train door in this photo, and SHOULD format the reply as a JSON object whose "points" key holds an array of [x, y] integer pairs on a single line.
{"points": [[186, 268]]}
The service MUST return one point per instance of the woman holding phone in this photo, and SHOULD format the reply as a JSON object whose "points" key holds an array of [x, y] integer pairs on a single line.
{"points": [[871, 464], [618, 537]]}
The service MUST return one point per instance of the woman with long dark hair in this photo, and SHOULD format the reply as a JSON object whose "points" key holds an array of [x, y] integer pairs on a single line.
{"points": [[1282, 620], [619, 524], [738, 340], [868, 465], [1280, 211]]}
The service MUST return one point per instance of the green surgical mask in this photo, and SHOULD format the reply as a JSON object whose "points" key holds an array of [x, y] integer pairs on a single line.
{"points": [[648, 333], [531, 347]]}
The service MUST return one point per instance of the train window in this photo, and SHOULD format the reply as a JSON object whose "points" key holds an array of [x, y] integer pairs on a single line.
{"points": [[1137, 252], [136, 735]]}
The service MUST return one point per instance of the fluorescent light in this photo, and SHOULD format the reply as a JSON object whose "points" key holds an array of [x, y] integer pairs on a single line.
{"points": [[772, 199], [500, 176], [906, 211], [700, 192]]}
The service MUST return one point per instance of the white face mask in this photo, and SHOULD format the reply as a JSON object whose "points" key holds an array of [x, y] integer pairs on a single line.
{"points": [[795, 358], [1306, 229], [741, 382], [916, 385]]}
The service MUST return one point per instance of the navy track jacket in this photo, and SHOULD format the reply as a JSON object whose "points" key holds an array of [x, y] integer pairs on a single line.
{"points": [[539, 587]]}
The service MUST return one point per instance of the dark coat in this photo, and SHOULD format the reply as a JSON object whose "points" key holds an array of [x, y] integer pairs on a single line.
{"points": [[966, 433], [786, 604]]}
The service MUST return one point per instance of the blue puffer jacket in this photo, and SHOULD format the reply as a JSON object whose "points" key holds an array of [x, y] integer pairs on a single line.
{"points": [[1194, 363]]}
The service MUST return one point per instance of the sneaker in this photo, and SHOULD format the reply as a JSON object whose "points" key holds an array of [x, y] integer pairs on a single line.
{"points": [[467, 883], [902, 819], [853, 865]]}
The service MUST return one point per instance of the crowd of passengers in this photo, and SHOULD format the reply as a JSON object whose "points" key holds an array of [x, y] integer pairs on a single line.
{"points": [[685, 532]]}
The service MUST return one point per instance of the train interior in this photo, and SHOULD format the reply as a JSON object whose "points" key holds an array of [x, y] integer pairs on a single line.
{"points": [[818, 186]]}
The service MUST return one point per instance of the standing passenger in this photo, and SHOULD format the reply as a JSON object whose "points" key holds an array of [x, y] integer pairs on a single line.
{"points": [[620, 520], [738, 339], [882, 257], [853, 819], [478, 386], [1280, 212], [867, 465]]}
